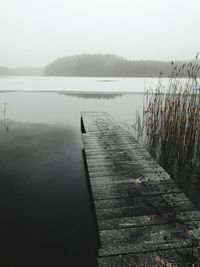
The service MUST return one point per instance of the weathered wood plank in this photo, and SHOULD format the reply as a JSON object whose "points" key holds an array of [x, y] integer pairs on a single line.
{"points": [[124, 191], [142, 215], [165, 200], [106, 181], [145, 238], [139, 210], [138, 221], [175, 257]]}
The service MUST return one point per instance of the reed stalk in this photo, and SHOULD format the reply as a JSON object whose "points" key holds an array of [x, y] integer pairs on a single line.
{"points": [[171, 122]]}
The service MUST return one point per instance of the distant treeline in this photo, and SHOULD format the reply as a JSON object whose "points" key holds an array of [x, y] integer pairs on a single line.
{"points": [[29, 71], [108, 66]]}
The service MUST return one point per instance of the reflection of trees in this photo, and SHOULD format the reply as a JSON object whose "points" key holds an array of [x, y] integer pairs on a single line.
{"points": [[93, 95]]}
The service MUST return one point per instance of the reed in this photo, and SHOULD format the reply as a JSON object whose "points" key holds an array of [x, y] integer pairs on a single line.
{"points": [[171, 123], [3, 118]]}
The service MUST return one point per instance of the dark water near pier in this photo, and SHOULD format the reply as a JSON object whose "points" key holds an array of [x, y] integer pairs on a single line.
{"points": [[46, 217], [46, 214]]}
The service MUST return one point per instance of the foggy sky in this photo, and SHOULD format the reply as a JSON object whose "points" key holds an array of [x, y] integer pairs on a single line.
{"points": [[35, 32]]}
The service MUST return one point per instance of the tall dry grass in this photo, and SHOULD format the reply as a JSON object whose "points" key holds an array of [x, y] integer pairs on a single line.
{"points": [[171, 123]]}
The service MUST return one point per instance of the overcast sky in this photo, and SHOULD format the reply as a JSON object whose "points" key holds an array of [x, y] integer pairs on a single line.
{"points": [[35, 32]]}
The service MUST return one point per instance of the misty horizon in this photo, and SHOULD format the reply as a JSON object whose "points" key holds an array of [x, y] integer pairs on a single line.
{"points": [[99, 109], [93, 54], [35, 33], [99, 65]]}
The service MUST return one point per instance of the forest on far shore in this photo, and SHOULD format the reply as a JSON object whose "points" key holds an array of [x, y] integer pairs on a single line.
{"points": [[97, 65]]}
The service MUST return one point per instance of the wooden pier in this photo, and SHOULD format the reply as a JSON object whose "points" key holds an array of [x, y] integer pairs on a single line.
{"points": [[143, 218]]}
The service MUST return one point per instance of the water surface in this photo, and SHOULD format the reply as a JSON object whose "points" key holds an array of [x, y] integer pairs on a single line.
{"points": [[83, 84], [47, 218]]}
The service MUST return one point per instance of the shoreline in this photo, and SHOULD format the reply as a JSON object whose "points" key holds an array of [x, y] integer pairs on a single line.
{"points": [[72, 92]]}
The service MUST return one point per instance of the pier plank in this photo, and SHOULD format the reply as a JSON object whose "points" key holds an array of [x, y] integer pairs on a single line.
{"points": [[143, 218]]}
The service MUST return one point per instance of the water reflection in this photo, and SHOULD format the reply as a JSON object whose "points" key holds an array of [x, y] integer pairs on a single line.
{"points": [[106, 80], [93, 95], [43, 177], [56, 108]]}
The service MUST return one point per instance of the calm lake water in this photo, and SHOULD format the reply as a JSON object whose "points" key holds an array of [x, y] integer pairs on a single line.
{"points": [[55, 99], [45, 203], [91, 84], [46, 214]]}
